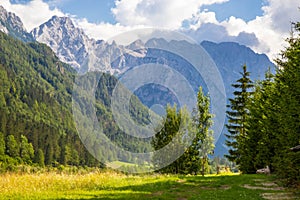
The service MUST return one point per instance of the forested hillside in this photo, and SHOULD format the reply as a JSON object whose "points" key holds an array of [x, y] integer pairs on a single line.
{"points": [[36, 108]]}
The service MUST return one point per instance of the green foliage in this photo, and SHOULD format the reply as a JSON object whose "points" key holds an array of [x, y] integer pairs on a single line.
{"points": [[170, 137], [203, 143], [178, 127], [2, 145], [26, 150], [39, 158], [12, 147]]}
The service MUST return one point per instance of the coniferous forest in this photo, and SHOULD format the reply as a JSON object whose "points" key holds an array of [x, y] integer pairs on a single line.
{"points": [[264, 117]]}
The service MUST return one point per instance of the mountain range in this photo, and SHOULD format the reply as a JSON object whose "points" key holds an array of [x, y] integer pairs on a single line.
{"points": [[72, 46]]}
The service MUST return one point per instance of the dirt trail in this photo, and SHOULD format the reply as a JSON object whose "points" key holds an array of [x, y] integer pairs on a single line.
{"points": [[270, 186]]}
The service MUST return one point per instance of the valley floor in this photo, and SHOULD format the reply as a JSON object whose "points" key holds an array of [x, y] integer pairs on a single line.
{"points": [[111, 185]]}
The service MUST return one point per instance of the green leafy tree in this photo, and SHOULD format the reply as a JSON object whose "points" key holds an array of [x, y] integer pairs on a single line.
{"points": [[203, 143], [26, 150], [172, 128], [237, 116], [12, 147], [196, 130]]}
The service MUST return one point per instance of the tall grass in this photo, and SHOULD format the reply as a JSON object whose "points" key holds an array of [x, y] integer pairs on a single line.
{"points": [[95, 184]]}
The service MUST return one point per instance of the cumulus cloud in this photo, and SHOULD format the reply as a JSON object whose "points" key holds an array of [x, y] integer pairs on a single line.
{"points": [[264, 34], [102, 31], [271, 29], [281, 13], [33, 13], [218, 33], [157, 13]]}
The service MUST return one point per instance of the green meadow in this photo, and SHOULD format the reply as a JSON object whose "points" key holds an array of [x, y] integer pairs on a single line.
{"points": [[112, 185]]}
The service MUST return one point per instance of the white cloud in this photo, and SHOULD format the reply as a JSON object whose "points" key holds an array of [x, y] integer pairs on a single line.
{"points": [[265, 34], [271, 29], [103, 31], [157, 13], [132, 14], [33, 13], [202, 18], [281, 13]]}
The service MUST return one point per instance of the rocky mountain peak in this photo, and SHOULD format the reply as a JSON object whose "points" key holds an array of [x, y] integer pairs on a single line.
{"points": [[70, 43], [12, 25]]}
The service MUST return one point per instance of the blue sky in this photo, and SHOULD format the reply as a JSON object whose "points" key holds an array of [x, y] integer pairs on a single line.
{"points": [[262, 25], [244, 9], [97, 11]]}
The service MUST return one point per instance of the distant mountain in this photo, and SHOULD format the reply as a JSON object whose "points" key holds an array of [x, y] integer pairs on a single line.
{"points": [[12, 25], [74, 47], [230, 56]]}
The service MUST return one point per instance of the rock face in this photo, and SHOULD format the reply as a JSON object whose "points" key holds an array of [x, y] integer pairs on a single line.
{"points": [[74, 47], [69, 43], [230, 56], [12, 25]]}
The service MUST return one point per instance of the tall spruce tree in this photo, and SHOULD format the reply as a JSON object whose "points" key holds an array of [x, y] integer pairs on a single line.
{"points": [[237, 116], [2, 146], [287, 102], [259, 144]]}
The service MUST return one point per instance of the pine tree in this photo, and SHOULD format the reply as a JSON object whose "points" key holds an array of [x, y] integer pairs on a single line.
{"points": [[196, 130], [237, 116], [287, 102], [39, 158], [260, 139], [2, 145]]}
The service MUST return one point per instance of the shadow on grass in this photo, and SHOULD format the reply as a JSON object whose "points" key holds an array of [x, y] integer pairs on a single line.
{"points": [[185, 187]]}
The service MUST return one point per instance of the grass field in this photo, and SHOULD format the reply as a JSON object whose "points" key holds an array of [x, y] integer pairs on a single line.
{"points": [[110, 185]]}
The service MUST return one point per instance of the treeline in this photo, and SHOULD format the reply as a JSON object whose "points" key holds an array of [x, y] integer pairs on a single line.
{"points": [[19, 152], [264, 118], [36, 106]]}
